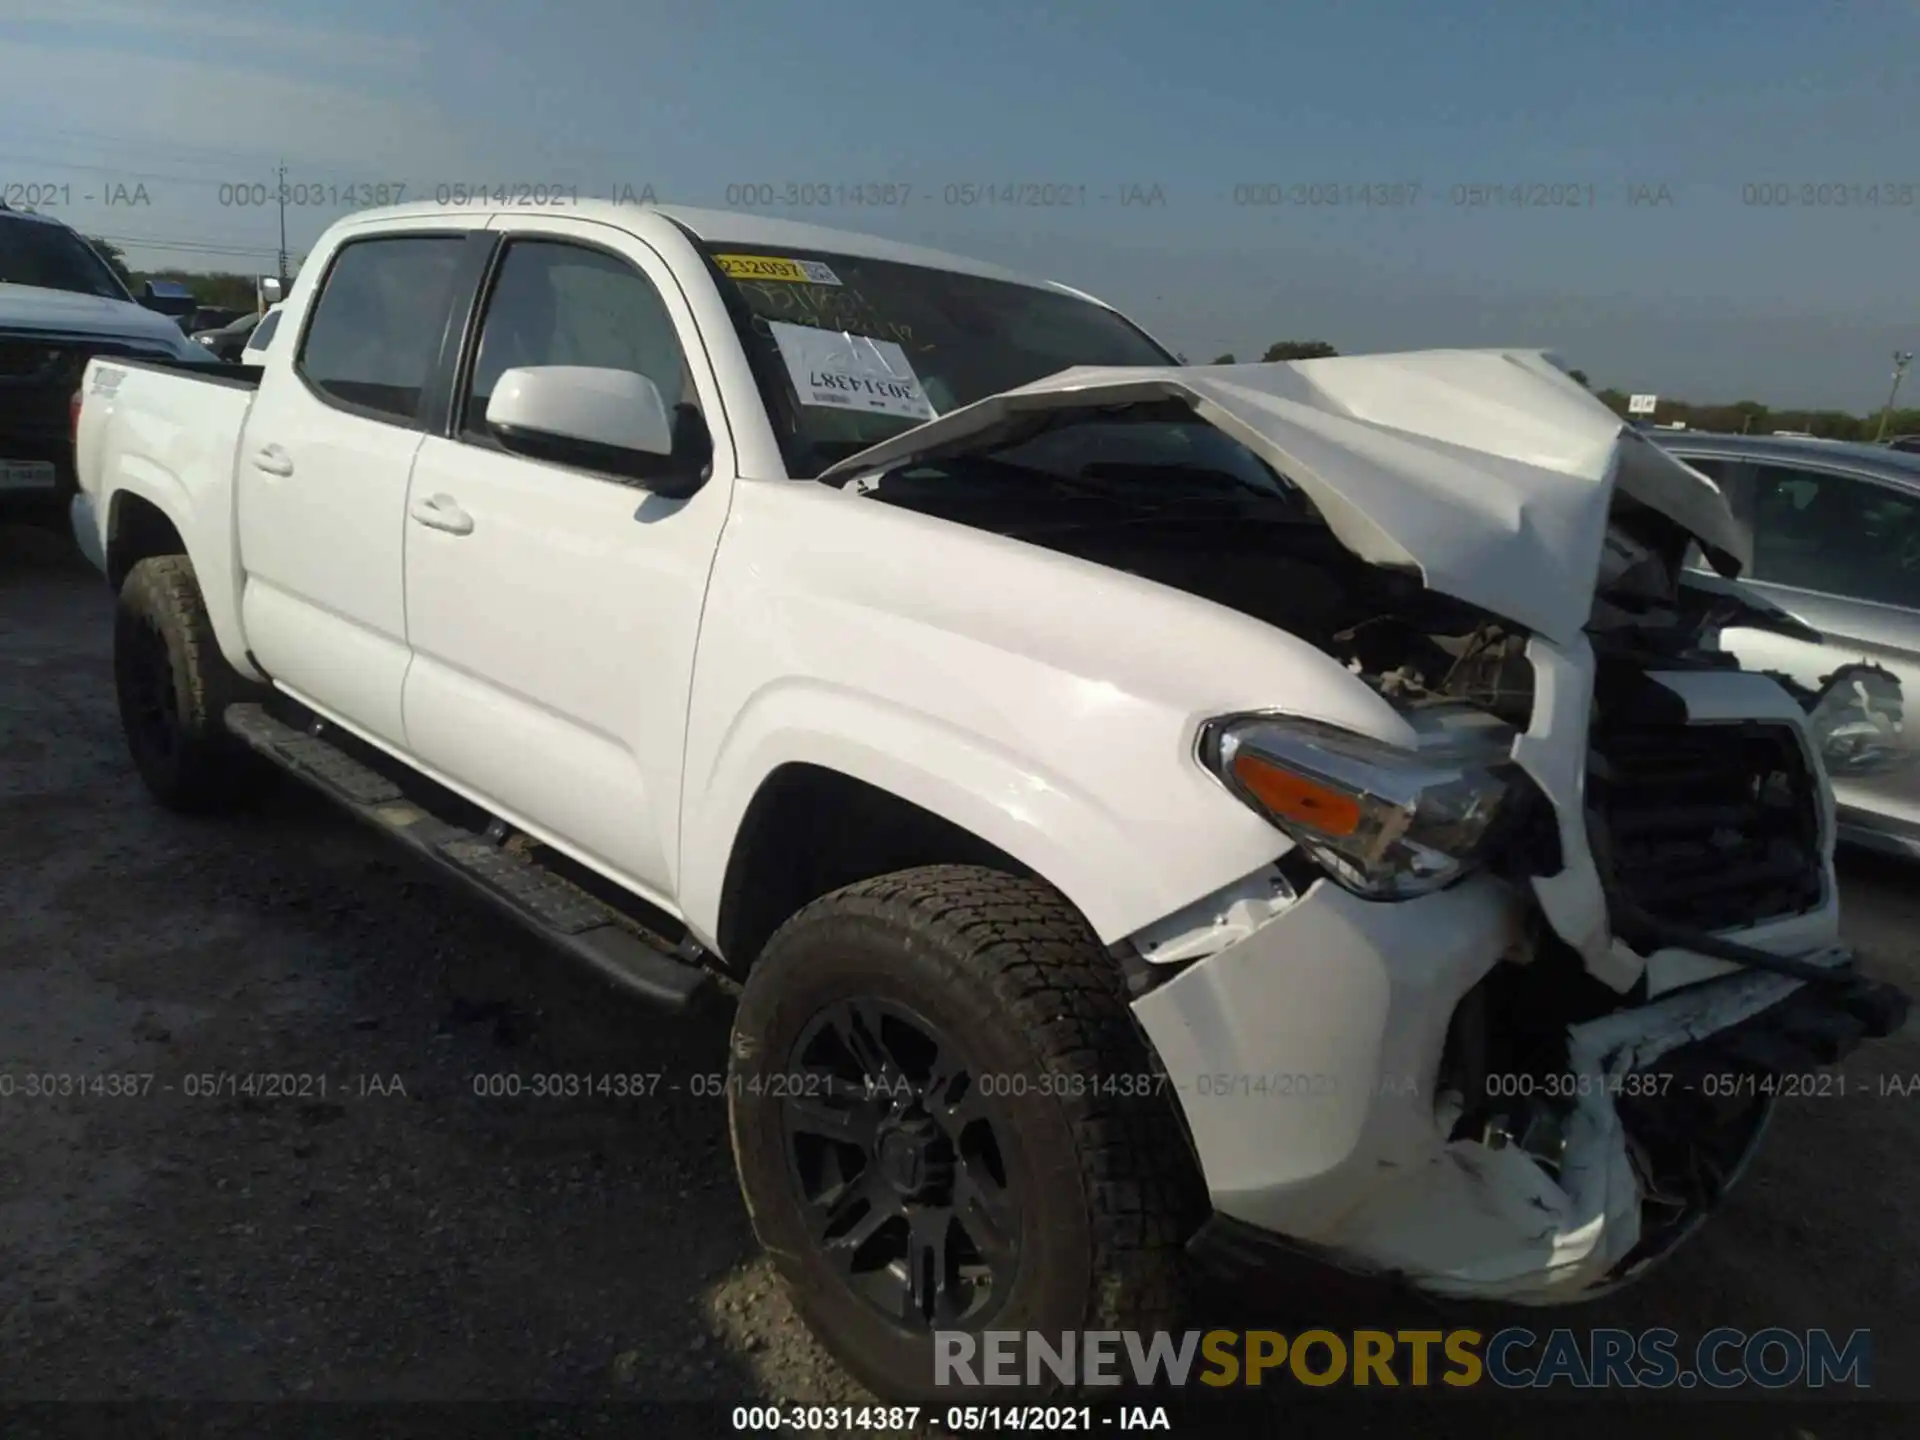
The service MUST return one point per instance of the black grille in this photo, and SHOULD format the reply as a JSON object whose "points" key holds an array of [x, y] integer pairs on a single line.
{"points": [[31, 360], [38, 375], [59, 361], [1710, 827]]}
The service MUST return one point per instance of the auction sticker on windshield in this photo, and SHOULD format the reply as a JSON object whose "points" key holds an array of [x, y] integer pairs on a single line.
{"points": [[842, 371], [775, 267]]}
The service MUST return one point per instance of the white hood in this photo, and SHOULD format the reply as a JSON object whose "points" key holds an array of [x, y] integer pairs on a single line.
{"points": [[1489, 472], [69, 313]]}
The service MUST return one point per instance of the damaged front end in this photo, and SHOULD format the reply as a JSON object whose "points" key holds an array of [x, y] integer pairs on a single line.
{"points": [[1502, 1016], [1625, 1081]]}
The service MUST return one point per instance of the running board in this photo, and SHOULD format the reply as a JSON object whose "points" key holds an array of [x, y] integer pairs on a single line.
{"points": [[554, 909]]}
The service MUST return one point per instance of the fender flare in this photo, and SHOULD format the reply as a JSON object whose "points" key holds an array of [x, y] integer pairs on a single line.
{"points": [[1056, 829], [212, 558]]}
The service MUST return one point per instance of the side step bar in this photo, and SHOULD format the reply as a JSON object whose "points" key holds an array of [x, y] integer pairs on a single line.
{"points": [[560, 913]]}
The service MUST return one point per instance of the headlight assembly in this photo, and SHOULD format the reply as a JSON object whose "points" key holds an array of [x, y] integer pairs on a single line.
{"points": [[1385, 822]]}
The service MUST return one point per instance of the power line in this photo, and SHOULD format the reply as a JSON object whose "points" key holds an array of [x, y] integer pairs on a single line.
{"points": [[114, 170], [159, 242], [220, 249]]}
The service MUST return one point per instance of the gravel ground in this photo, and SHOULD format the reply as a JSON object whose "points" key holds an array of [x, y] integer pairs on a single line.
{"points": [[401, 1237]]}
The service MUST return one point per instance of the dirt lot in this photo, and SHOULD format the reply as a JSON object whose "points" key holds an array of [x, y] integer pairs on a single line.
{"points": [[402, 1238]]}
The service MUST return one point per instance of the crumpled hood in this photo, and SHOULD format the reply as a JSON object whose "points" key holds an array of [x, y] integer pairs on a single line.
{"points": [[1489, 472], [69, 313]]}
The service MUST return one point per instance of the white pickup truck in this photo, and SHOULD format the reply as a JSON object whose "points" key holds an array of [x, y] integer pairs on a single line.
{"points": [[1153, 814]]}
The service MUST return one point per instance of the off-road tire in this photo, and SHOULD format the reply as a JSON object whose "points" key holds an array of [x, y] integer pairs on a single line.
{"points": [[195, 767], [1113, 1190]]}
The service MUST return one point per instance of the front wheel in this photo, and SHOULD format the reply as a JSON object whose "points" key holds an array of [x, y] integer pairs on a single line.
{"points": [[946, 1119]]}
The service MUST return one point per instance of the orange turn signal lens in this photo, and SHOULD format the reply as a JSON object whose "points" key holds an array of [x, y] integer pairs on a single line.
{"points": [[1290, 797]]}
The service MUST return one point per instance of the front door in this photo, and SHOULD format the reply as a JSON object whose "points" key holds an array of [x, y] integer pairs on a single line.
{"points": [[553, 610]]}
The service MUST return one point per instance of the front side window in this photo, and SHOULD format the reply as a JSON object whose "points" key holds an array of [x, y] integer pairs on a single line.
{"points": [[554, 303], [378, 321], [850, 351], [1836, 534]]}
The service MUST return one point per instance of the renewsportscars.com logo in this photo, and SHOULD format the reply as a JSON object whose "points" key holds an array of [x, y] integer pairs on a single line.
{"points": [[1515, 1358]]}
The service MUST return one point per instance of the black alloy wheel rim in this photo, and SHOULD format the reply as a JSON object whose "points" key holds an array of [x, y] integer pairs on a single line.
{"points": [[900, 1167], [146, 678]]}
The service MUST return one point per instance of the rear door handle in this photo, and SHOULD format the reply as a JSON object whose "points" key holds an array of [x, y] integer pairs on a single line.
{"points": [[273, 460], [441, 512]]}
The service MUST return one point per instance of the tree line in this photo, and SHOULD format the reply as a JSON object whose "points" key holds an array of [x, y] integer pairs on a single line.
{"points": [[1741, 417], [213, 288]]}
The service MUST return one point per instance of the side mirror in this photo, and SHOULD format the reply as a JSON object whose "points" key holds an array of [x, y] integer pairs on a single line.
{"points": [[600, 419], [268, 291]]}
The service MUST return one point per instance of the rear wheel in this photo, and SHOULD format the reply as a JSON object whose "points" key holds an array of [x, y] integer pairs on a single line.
{"points": [[945, 1119], [173, 687]]}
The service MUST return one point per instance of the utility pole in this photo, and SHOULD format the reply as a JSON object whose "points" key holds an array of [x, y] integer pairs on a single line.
{"points": [[283, 229], [1901, 359]]}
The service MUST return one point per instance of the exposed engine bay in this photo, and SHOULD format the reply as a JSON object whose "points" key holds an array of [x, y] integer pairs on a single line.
{"points": [[1214, 521]]}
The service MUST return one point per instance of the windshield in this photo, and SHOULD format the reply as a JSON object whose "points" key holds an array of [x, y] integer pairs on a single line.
{"points": [[33, 252], [849, 351], [1081, 467]]}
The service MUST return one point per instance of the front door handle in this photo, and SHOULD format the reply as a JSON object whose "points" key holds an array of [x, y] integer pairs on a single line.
{"points": [[441, 512], [273, 460]]}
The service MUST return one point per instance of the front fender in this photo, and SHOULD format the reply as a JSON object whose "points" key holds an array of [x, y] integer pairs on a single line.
{"points": [[1046, 705], [1119, 874]]}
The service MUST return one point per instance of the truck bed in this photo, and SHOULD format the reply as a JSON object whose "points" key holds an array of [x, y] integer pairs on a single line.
{"points": [[220, 372], [165, 435]]}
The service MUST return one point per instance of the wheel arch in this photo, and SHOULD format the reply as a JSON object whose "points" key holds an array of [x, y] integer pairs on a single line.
{"points": [[149, 513], [782, 858], [138, 528]]}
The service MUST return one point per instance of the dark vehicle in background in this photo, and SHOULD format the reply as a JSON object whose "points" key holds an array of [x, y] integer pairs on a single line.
{"points": [[169, 297], [1907, 444], [227, 341], [1836, 544], [211, 317], [60, 305]]}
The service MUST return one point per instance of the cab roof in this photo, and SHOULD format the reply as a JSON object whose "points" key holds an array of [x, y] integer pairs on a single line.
{"points": [[730, 227]]}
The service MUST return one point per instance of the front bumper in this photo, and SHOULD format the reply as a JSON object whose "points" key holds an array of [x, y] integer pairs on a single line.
{"points": [[1306, 1059]]}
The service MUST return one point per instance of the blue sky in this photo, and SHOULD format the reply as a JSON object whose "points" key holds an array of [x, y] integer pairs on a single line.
{"points": [[1699, 293]]}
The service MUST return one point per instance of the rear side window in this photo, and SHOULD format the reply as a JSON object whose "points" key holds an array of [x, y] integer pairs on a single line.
{"points": [[378, 321]]}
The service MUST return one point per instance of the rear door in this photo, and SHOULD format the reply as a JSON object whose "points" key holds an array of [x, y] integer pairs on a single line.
{"points": [[553, 609], [1841, 549], [322, 475]]}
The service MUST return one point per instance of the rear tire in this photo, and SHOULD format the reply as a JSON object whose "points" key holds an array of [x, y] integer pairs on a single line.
{"points": [[1035, 1175], [173, 687]]}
